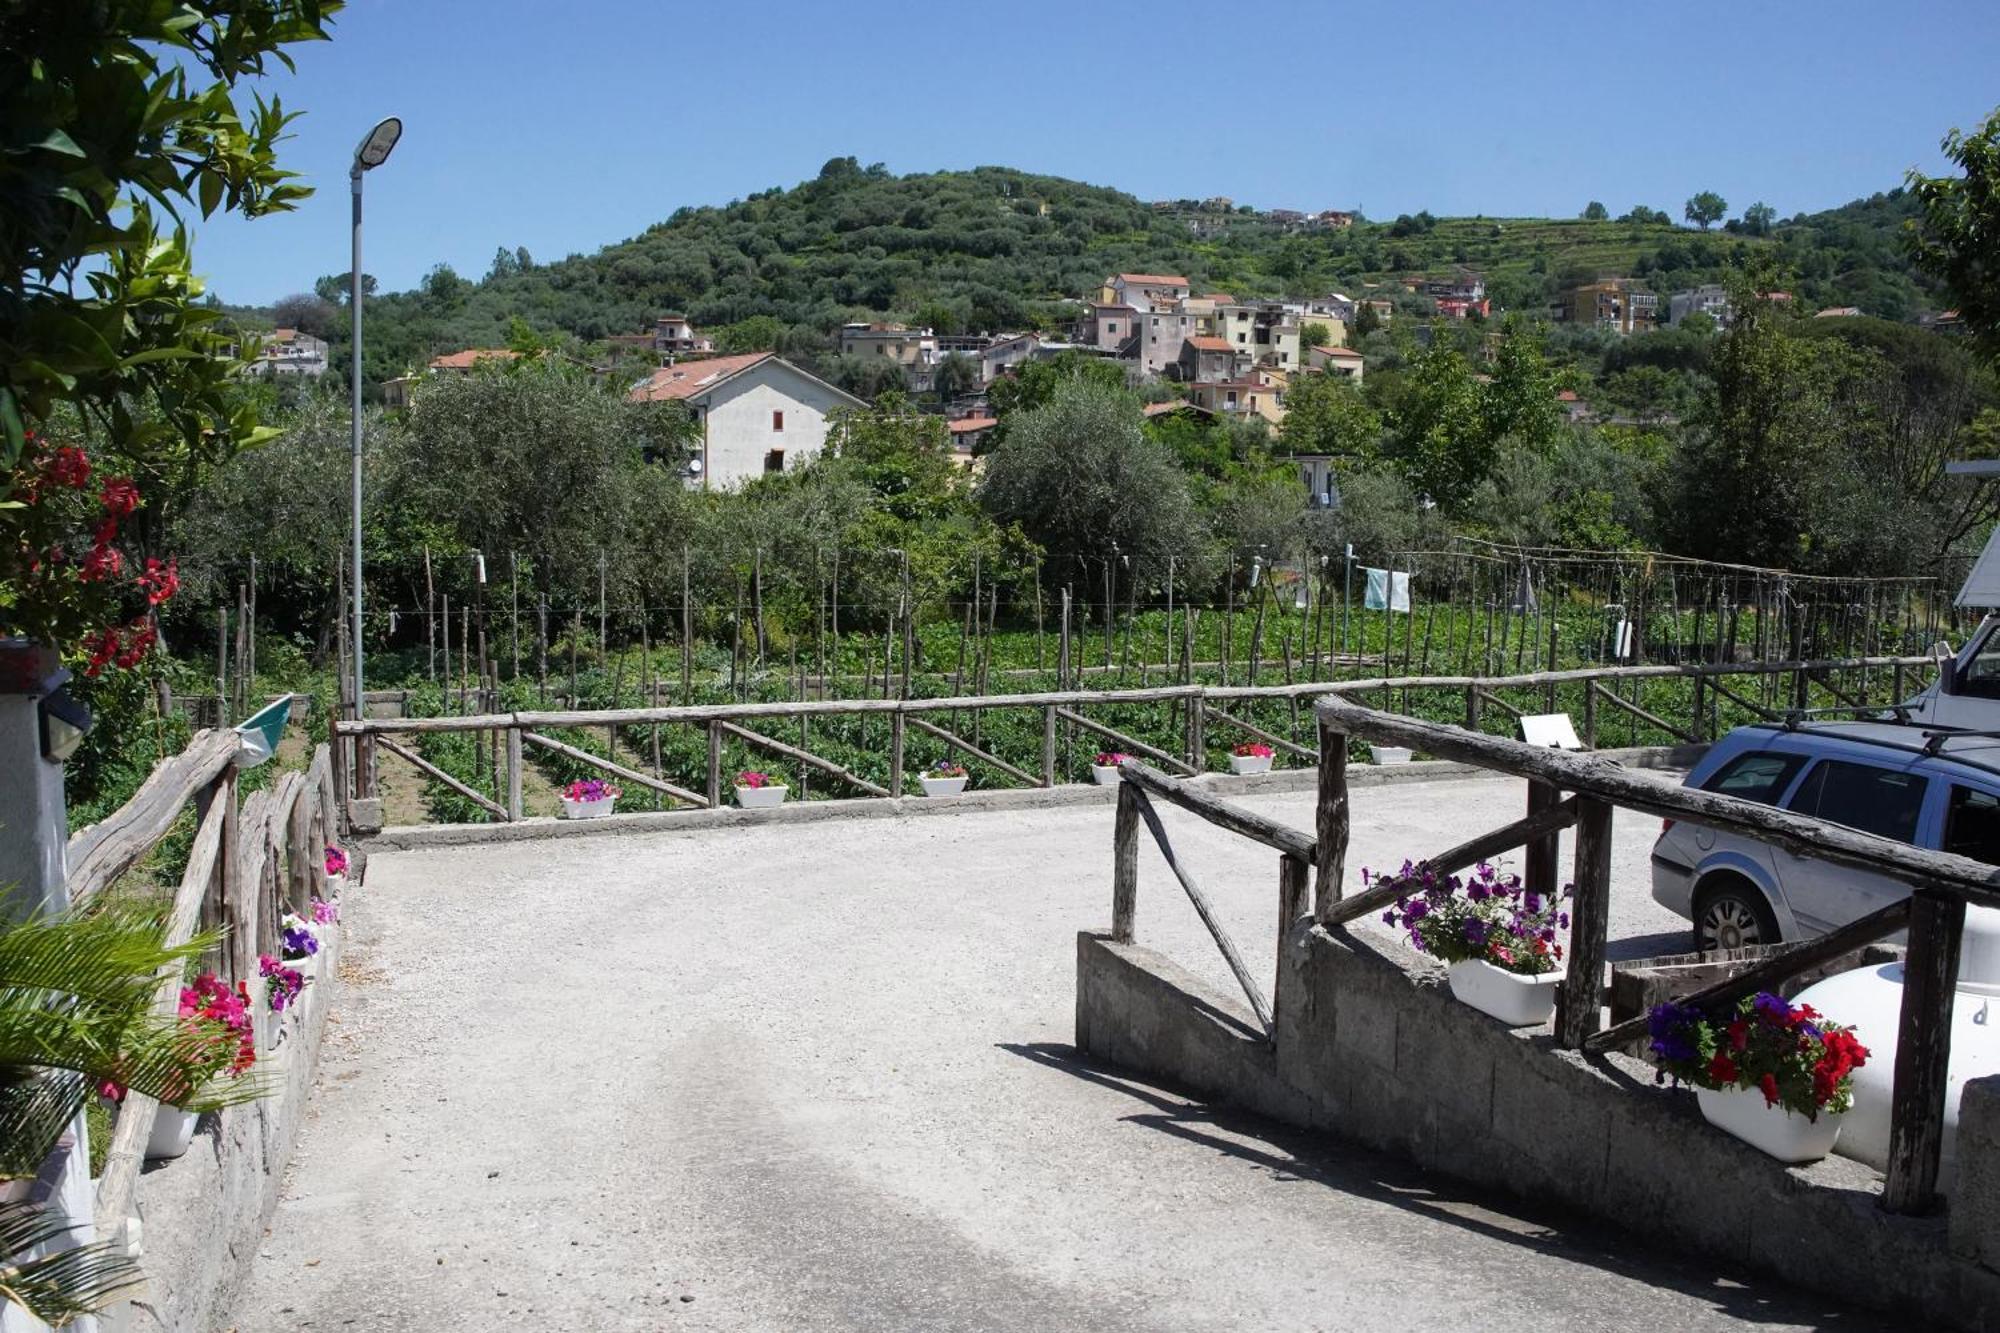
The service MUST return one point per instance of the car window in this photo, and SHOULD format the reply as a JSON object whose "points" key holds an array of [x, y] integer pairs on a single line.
{"points": [[1759, 776], [1972, 824], [1981, 676], [1883, 801]]}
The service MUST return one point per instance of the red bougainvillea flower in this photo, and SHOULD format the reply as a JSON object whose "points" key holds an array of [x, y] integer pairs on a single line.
{"points": [[139, 640], [160, 581], [102, 647], [68, 466], [120, 496], [103, 562]]}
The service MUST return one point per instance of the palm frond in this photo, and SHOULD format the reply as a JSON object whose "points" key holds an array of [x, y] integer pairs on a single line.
{"points": [[102, 957], [70, 1282], [35, 1108]]}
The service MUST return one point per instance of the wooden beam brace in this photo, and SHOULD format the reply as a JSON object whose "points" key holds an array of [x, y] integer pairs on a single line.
{"points": [[413, 758], [597, 761], [1258, 1004], [1026, 778], [806, 757], [1226, 814], [1554, 819], [1137, 746]]}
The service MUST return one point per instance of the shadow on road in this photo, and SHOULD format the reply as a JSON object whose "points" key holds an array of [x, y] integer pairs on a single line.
{"points": [[1288, 1154]]}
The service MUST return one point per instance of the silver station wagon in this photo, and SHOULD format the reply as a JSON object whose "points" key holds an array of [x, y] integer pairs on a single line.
{"points": [[1923, 786]]}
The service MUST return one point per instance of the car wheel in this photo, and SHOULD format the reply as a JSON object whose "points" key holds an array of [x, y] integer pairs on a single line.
{"points": [[1732, 915]]}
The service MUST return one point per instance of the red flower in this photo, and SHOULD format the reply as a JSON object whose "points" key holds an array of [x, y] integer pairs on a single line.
{"points": [[1722, 1069], [1739, 1035], [140, 638], [103, 562], [160, 581], [103, 647], [120, 496], [1769, 1085], [68, 466]]}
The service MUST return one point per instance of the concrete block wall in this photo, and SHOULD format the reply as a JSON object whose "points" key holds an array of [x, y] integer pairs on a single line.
{"points": [[1369, 1044], [203, 1214]]}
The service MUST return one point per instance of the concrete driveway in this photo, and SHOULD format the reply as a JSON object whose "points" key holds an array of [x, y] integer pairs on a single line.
{"points": [[818, 1076]]}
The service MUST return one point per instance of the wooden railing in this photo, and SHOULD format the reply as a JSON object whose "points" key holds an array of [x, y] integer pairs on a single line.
{"points": [[1942, 885], [246, 867], [1200, 706]]}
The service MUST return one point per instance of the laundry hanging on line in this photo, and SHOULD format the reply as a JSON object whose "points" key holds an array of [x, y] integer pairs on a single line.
{"points": [[1388, 589]]}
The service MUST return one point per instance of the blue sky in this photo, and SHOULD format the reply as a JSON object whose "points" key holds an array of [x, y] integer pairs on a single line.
{"points": [[564, 127]]}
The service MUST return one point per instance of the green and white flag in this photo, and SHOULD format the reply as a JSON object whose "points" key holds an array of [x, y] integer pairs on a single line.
{"points": [[258, 738]]}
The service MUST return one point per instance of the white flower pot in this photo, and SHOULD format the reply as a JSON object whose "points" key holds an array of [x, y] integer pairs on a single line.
{"points": [[1785, 1135], [173, 1131], [761, 798], [596, 809], [1391, 754], [272, 1028], [1515, 999], [942, 786], [1106, 775], [1249, 763], [335, 886]]}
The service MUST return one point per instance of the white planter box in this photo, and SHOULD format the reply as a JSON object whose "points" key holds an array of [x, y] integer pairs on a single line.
{"points": [[760, 798], [1106, 775], [1515, 999], [1391, 754], [596, 809], [173, 1131], [1743, 1113], [335, 886], [942, 786], [273, 1028], [1249, 763]]}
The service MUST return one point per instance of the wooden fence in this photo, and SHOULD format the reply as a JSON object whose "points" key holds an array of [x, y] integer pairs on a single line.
{"points": [[1849, 681], [1584, 790], [247, 866]]}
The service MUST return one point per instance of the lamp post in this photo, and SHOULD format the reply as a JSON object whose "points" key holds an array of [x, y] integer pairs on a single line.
{"points": [[372, 152]]}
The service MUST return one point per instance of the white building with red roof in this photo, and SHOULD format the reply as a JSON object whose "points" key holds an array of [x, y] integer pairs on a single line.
{"points": [[757, 412]]}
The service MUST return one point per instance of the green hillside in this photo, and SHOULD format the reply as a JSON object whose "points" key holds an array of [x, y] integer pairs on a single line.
{"points": [[996, 248]]}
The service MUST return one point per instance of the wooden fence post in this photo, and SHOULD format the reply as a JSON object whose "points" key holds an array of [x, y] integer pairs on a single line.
{"points": [[1543, 852], [1049, 745], [514, 773], [1197, 727], [1581, 996], [1294, 876], [1125, 864], [1472, 708], [896, 725], [714, 765], [1330, 819], [1923, 1053], [1590, 688]]}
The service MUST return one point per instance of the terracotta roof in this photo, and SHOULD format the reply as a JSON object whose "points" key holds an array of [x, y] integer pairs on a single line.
{"points": [[471, 357], [1567, 396], [1224, 297], [1203, 343], [685, 379], [1172, 405], [965, 425], [1344, 353], [1153, 279]]}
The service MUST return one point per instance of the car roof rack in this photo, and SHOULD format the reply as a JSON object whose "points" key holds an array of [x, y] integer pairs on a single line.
{"points": [[1934, 739], [1792, 717]]}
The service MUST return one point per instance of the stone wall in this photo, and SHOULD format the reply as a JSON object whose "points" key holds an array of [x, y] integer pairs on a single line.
{"points": [[202, 1215], [1369, 1044]]}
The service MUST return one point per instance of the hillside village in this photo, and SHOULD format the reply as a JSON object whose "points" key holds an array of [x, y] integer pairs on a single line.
{"points": [[1207, 353]]}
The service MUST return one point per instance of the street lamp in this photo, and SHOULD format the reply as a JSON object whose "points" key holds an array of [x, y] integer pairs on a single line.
{"points": [[372, 152]]}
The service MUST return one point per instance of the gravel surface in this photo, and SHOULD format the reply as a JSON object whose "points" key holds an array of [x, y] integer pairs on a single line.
{"points": [[819, 1076]]}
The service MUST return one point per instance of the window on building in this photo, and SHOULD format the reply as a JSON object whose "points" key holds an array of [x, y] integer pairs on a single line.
{"points": [[1111, 327], [777, 423], [774, 461]]}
